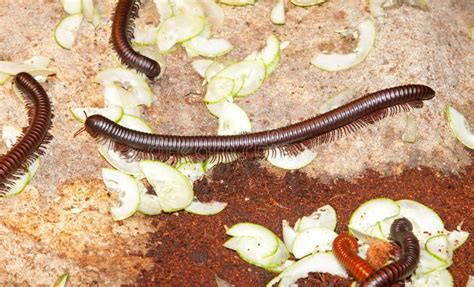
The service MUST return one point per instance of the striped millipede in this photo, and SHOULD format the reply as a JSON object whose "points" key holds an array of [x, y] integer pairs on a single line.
{"points": [[290, 139], [35, 136], [345, 249], [122, 33], [401, 232]]}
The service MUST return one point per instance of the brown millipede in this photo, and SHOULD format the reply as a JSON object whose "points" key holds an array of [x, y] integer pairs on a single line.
{"points": [[290, 139], [35, 136], [401, 232], [345, 249], [122, 33]]}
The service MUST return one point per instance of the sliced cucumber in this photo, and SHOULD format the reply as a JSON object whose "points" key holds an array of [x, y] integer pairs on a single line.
{"points": [[336, 101], [218, 89], [277, 15], [209, 47], [290, 162], [460, 127], [174, 190], [306, 3], [289, 235], [237, 2], [164, 9], [233, 121], [10, 135], [201, 66], [186, 8], [88, 9], [178, 29], [422, 4], [19, 185], [456, 238], [376, 7], [409, 136], [271, 55], [127, 189], [205, 208], [313, 240], [266, 242], [441, 278], [66, 31], [3, 78], [72, 6], [145, 37], [214, 69], [338, 62], [113, 113], [251, 72], [324, 217], [428, 264], [135, 123], [213, 12], [282, 267], [9, 68], [438, 247], [319, 262], [149, 204], [216, 109], [192, 170], [61, 281]]}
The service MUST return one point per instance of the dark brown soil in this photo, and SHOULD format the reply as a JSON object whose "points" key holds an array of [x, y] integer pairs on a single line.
{"points": [[187, 249]]}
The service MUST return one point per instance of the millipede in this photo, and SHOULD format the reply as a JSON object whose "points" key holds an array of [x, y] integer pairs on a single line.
{"points": [[401, 232], [345, 249], [122, 35], [32, 143], [291, 139]]}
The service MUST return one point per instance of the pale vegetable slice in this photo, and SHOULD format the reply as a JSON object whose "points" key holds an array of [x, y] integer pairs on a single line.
{"points": [[423, 4], [460, 127], [336, 101], [216, 109], [305, 3], [289, 235], [201, 66], [409, 136], [438, 247], [456, 238], [366, 217], [376, 7], [338, 62], [135, 123], [66, 31], [19, 185], [149, 203], [112, 113], [33, 66], [3, 78], [233, 121], [174, 190], [428, 263], [324, 217], [145, 36], [164, 9], [178, 29], [426, 223], [205, 208], [61, 281], [186, 8], [271, 55], [10, 135], [313, 240], [214, 69], [209, 47], [282, 267], [218, 89], [213, 12], [88, 9], [266, 241], [441, 278], [127, 189], [251, 72], [277, 15], [192, 170], [72, 6], [279, 159], [237, 2], [319, 262]]}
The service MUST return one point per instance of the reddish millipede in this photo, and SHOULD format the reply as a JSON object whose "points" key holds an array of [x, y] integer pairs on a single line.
{"points": [[401, 232], [290, 139], [35, 136], [345, 249], [122, 33]]}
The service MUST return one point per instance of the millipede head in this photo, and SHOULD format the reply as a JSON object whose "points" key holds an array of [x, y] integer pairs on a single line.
{"points": [[400, 225], [94, 123]]}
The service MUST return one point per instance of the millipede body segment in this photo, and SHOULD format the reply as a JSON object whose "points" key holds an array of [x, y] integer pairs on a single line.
{"points": [[290, 139], [122, 33], [345, 249], [401, 232], [35, 136]]}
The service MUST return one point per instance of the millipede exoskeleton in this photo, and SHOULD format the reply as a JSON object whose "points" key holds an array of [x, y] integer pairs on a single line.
{"points": [[345, 249], [290, 139], [122, 34], [401, 232], [31, 144]]}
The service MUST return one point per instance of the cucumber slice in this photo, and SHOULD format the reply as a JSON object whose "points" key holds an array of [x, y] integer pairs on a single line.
{"points": [[205, 208], [366, 217], [19, 185], [319, 262], [114, 96], [460, 127], [214, 69], [426, 223], [282, 267], [3, 78], [38, 61], [313, 240], [178, 29], [66, 31], [135, 123], [88, 9], [9, 68], [216, 109], [271, 55], [149, 204], [209, 47], [376, 7], [237, 2], [336, 101], [456, 238], [201, 66], [192, 170], [174, 190], [145, 37], [422, 4], [339, 62], [10, 135], [438, 247], [429, 264], [306, 3], [72, 6], [128, 192], [61, 281], [164, 9], [213, 12], [113, 113], [233, 121], [409, 136], [186, 8], [289, 235], [265, 242], [277, 15], [324, 217], [290, 162], [441, 278], [218, 89], [252, 73]]}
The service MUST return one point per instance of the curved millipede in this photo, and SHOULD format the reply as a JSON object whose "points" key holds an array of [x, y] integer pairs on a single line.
{"points": [[345, 249], [122, 33], [401, 232], [290, 139], [31, 144]]}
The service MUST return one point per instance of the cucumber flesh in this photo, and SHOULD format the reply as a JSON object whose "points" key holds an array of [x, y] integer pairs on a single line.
{"points": [[237, 2], [192, 170], [313, 240], [460, 127], [201, 66], [277, 15], [290, 162], [456, 238], [233, 121], [289, 235], [127, 189], [72, 6], [205, 208], [213, 12], [218, 89], [209, 47], [88, 9], [164, 9], [112, 113], [336, 101], [186, 8], [438, 247], [66, 31], [306, 3], [265, 240], [61, 281], [441, 278], [178, 29], [324, 217], [252, 73], [149, 204]]}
